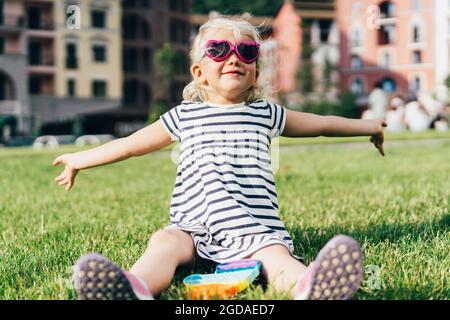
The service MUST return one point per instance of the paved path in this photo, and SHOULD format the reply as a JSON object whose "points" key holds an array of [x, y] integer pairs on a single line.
{"points": [[359, 145]]}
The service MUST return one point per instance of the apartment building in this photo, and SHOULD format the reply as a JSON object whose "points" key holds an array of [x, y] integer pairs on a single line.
{"points": [[51, 72], [393, 43], [146, 26]]}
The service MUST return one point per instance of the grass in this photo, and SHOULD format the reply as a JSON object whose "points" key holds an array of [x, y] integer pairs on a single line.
{"points": [[397, 207]]}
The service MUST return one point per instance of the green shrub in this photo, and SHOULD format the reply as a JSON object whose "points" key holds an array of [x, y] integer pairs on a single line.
{"points": [[344, 107]]}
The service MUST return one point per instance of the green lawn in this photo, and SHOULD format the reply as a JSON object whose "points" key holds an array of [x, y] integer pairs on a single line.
{"points": [[397, 207]]}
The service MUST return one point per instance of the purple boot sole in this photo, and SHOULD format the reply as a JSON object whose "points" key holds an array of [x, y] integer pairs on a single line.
{"points": [[97, 278], [337, 271]]}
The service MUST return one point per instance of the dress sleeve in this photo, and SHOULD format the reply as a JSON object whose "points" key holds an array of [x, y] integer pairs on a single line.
{"points": [[278, 120], [171, 122]]}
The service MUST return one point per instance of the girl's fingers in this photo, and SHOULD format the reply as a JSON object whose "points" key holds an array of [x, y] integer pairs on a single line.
{"points": [[70, 176], [380, 147], [61, 176], [62, 182], [56, 162]]}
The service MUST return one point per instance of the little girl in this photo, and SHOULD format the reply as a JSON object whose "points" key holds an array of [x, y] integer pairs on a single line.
{"points": [[224, 204]]}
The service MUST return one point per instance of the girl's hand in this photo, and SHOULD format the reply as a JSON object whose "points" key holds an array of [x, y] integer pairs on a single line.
{"points": [[378, 138], [67, 177]]}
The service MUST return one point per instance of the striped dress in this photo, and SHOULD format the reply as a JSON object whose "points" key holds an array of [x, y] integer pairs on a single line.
{"points": [[224, 193]]}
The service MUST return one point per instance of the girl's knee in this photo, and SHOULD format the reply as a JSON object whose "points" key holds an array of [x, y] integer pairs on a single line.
{"points": [[173, 242], [269, 252]]}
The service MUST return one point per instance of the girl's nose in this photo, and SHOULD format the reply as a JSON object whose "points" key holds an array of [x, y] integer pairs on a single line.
{"points": [[233, 58]]}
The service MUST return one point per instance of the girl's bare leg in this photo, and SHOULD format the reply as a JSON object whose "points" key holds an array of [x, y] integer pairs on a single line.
{"points": [[336, 273], [167, 249], [279, 267]]}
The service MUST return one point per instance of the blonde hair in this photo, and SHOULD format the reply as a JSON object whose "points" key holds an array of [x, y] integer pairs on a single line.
{"points": [[195, 91]]}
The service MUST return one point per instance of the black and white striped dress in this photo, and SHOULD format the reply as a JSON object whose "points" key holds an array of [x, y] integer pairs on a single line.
{"points": [[224, 192]]}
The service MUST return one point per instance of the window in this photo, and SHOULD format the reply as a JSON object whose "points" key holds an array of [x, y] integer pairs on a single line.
{"points": [[98, 19], [387, 9], [356, 62], [417, 34], [2, 45], [145, 32], [179, 31], [415, 84], [356, 8], [71, 87], [325, 28], [35, 59], [99, 88], [356, 38], [386, 35], [2, 11], [99, 52], [357, 87], [416, 5], [388, 85], [71, 55], [386, 60], [34, 85], [147, 56], [130, 59], [34, 17], [417, 56]]}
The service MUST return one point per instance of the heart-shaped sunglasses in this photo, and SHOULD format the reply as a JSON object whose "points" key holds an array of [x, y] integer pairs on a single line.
{"points": [[219, 50]]}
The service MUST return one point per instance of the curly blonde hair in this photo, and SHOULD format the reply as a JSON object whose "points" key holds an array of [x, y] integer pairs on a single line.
{"points": [[195, 91]]}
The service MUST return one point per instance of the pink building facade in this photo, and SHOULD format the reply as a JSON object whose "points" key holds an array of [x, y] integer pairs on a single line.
{"points": [[390, 43]]}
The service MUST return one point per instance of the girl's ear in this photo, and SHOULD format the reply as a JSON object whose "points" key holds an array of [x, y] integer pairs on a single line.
{"points": [[197, 73]]}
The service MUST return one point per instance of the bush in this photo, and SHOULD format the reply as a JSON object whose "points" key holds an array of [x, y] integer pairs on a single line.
{"points": [[321, 107], [157, 109], [344, 107], [347, 105]]}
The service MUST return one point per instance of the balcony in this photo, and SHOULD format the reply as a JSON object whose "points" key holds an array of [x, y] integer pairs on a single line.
{"points": [[41, 65], [41, 29], [12, 24]]}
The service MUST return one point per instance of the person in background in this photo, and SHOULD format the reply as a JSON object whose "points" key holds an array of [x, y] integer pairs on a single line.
{"points": [[378, 102], [416, 116], [395, 117], [433, 107]]}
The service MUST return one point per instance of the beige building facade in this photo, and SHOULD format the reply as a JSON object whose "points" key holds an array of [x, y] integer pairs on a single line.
{"points": [[89, 61]]}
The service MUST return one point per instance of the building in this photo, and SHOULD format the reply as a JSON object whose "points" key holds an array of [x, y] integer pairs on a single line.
{"points": [[50, 73], [307, 41], [15, 110], [402, 45], [146, 26], [88, 66]]}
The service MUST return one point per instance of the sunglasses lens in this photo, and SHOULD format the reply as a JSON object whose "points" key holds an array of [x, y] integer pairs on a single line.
{"points": [[218, 50], [248, 51]]}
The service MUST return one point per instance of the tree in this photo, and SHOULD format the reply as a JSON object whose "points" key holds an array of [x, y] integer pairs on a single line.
{"points": [[447, 81], [169, 64]]}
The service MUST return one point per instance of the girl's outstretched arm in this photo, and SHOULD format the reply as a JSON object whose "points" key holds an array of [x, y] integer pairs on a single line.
{"points": [[146, 140], [301, 124]]}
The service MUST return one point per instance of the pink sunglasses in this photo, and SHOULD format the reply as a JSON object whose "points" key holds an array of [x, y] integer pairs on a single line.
{"points": [[219, 50]]}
